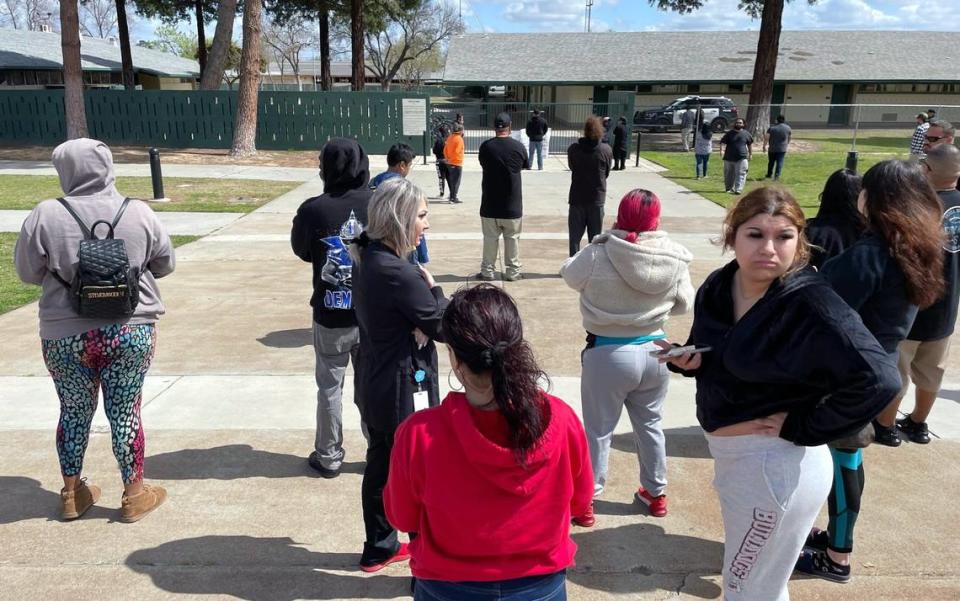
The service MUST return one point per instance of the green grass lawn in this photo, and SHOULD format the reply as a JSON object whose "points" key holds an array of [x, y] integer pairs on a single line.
{"points": [[803, 174], [869, 141], [186, 194], [13, 292]]}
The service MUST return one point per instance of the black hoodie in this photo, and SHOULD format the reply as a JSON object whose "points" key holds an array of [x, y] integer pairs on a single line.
{"points": [[325, 225], [799, 349]]}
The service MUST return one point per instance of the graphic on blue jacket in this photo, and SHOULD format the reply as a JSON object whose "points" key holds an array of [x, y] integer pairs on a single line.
{"points": [[951, 226], [337, 271]]}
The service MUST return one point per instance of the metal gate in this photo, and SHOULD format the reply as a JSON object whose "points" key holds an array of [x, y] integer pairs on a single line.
{"points": [[565, 120]]}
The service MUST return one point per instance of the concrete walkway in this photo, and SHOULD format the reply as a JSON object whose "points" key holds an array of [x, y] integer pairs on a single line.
{"points": [[229, 409]]}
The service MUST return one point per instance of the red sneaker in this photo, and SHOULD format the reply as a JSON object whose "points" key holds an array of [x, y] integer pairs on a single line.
{"points": [[657, 505], [586, 520], [402, 554]]}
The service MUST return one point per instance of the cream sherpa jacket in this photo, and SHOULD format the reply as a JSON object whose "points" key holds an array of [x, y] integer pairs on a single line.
{"points": [[630, 288]]}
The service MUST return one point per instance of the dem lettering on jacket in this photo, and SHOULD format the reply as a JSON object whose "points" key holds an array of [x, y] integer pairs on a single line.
{"points": [[762, 527]]}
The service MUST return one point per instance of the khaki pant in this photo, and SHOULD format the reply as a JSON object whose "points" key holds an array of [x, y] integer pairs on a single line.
{"points": [[492, 230], [923, 362]]}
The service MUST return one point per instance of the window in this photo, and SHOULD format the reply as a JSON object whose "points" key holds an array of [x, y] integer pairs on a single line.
{"points": [[644, 88], [693, 88]]}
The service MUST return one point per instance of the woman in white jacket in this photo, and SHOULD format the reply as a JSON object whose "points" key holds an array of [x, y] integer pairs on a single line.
{"points": [[630, 280]]}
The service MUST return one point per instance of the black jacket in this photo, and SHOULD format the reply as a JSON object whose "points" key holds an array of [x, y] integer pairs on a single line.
{"points": [[831, 235], [868, 278], [536, 129], [438, 145], [392, 299], [799, 349], [321, 220], [620, 138], [589, 164]]}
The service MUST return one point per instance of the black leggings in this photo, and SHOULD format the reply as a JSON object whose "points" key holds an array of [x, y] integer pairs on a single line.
{"points": [[381, 543]]}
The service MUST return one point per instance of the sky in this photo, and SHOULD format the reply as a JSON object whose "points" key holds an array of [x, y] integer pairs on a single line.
{"points": [[722, 15], [638, 15]]}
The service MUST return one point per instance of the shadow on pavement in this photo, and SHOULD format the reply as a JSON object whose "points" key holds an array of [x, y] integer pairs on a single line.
{"points": [[687, 442], [646, 550], [259, 569], [230, 462], [26, 499], [288, 338]]}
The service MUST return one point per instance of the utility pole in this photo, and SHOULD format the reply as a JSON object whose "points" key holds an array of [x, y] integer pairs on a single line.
{"points": [[589, 10]]}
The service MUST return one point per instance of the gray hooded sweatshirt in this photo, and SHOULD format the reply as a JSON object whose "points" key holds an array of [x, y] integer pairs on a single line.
{"points": [[50, 238]]}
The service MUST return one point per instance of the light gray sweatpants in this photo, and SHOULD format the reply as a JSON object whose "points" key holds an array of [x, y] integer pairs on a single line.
{"points": [[334, 348], [615, 377], [735, 175], [770, 494]]}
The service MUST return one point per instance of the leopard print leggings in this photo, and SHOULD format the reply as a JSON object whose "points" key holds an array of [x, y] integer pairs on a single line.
{"points": [[115, 358]]}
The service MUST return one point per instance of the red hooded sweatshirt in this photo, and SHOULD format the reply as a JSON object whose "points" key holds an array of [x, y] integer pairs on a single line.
{"points": [[479, 516]]}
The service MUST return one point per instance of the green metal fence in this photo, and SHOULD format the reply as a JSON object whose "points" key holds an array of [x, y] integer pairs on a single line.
{"points": [[205, 119]]}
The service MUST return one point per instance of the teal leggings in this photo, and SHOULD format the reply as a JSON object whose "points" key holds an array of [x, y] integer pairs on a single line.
{"points": [[844, 499]]}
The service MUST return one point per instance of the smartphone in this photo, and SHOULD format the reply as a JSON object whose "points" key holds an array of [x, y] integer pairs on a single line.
{"points": [[680, 351]]}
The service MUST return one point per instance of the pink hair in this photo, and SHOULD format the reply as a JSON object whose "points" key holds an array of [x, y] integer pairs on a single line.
{"points": [[639, 212]]}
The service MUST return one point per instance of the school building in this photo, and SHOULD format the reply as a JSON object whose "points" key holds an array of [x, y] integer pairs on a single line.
{"points": [[33, 60], [824, 70]]}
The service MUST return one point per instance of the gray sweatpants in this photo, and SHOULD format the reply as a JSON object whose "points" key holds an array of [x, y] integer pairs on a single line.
{"points": [[735, 175], [334, 348], [615, 377], [770, 494]]}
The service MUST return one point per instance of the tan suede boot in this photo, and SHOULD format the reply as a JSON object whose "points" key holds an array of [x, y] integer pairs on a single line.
{"points": [[138, 506], [77, 501]]}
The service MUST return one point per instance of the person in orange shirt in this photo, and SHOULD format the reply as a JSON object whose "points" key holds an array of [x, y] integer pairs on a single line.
{"points": [[453, 153]]}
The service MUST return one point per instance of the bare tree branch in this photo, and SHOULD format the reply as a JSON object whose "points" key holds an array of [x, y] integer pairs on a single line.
{"points": [[409, 35]]}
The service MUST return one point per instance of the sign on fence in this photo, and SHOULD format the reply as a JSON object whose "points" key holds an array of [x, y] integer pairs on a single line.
{"points": [[414, 116]]}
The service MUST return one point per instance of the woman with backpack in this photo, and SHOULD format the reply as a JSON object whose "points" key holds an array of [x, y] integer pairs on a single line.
{"points": [[490, 479], [895, 268], [783, 366], [631, 279], [399, 307], [89, 341]]}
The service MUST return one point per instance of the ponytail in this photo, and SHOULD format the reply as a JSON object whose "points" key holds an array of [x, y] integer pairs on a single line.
{"points": [[482, 326]]}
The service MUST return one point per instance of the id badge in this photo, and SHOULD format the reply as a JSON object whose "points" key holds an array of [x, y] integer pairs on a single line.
{"points": [[421, 400]]}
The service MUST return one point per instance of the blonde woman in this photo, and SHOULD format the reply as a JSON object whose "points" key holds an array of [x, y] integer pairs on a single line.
{"points": [[399, 308]]}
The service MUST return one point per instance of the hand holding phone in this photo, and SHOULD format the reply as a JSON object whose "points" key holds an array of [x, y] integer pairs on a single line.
{"points": [[679, 351], [684, 357]]}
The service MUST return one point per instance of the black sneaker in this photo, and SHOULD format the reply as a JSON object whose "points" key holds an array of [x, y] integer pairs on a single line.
{"points": [[818, 563], [455, 201], [325, 472], [817, 539], [484, 277], [915, 432], [889, 437]]}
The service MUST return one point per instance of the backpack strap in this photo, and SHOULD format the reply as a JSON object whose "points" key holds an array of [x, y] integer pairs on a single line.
{"points": [[83, 226], [120, 211]]}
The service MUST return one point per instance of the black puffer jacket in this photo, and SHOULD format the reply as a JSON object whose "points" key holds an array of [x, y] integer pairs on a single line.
{"points": [[799, 349]]}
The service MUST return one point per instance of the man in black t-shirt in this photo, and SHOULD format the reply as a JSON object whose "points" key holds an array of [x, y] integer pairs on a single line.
{"points": [[923, 355], [501, 205], [737, 149]]}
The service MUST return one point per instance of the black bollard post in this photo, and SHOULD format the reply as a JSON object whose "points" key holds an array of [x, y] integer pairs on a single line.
{"points": [[852, 160], [636, 162], [155, 174]]}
